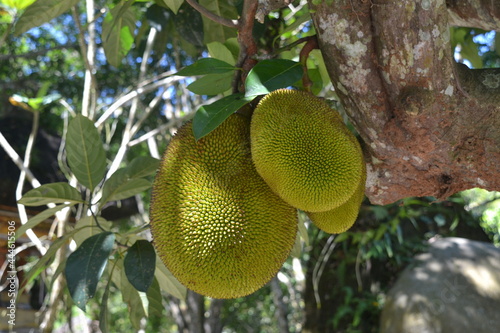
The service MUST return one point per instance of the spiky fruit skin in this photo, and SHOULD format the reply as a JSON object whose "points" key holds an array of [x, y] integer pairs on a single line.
{"points": [[304, 152], [216, 225], [342, 218]]}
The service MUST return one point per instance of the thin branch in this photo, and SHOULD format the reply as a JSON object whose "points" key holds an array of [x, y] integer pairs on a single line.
{"points": [[214, 17], [18, 161], [141, 89], [23, 216]]}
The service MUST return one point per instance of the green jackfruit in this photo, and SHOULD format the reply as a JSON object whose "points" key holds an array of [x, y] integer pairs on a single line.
{"points": [[304, 151], [340, 219], [216, 225]]}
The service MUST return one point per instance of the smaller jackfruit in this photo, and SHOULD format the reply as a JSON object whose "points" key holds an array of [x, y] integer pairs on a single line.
{"points": [[216, 225], [304, 151], [342, 218]]}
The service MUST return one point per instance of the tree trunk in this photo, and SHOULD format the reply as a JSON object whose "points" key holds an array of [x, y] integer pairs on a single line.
{"points": [[429, 126]]}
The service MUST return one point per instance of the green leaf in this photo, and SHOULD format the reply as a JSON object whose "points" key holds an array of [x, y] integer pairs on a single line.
{"points": [[174, 5], [118, 32], [17, 4], [208, 117], [89, 228], [85, 266], [38, 218], [142, 166], [45, 260], [213, 31], [168, 282], [135, 305], [211, 84], [220, 51], [155, 304], [272, 74], [120, 186], [42, 11], [139, 263], [205, 66], [85, 153], [51, 193]]}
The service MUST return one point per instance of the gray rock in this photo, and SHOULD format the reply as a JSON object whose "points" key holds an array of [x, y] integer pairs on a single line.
{"points": [[454, 288]]}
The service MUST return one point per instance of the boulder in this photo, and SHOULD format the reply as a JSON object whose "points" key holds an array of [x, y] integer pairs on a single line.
{"points": [[453, 288]]}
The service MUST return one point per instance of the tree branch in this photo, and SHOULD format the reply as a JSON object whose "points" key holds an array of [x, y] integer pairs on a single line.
{"points": [[216, 18]]}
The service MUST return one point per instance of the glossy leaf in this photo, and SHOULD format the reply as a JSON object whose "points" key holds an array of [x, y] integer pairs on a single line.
{"points": [[38, 218], [120, 186], [211, 84], [139, 264], [85, 152], [85, 266], [269, 75], [42, 11], [118, 32], [208, 117], [51, 193], [205, 66]]}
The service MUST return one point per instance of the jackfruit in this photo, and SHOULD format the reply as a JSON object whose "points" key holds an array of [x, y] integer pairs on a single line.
{"points": [[304, 151], [341, 218], [215, 223]]}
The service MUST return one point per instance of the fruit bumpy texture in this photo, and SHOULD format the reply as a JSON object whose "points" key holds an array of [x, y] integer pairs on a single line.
{"points": [[304, 151], [340, 219], [216, 225]]}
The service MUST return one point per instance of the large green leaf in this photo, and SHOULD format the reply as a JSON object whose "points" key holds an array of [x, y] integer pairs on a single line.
{"points": [[85, 153], [272, 74], [139, 264], [208, 117], [213, 31], [142, 166], [42, 11], [155, 304], [118, 32], [168, 282], [51, 193], [220, 51], [120, 186], [205, 66], [132, 297], [85, 266], [37, 219], [212, 84]]}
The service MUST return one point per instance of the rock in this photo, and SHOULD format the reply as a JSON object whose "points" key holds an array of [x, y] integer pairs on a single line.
{"points": [[454, 288]]}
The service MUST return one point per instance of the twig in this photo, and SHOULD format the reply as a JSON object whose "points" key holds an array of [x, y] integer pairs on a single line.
{"points": [[23, 216], [248, 47], [214, 17], [311, 44]]}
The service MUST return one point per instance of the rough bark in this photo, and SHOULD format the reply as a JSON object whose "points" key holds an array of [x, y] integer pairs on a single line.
{"points": [[429, 126]]}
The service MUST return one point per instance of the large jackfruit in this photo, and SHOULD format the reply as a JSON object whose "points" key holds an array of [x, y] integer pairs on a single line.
{"points": [[216, 225], [304, 151], [341, 218]]}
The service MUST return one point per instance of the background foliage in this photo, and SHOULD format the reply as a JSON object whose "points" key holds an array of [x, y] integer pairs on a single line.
{"points": [[97, 79]]}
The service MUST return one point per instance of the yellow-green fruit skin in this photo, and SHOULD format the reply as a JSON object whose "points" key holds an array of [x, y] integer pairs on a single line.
{"points": [[215, 223], [342, 218], [304, 151]]}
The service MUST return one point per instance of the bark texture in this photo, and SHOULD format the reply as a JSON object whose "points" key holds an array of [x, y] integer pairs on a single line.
{"points": [[430, 126]]}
